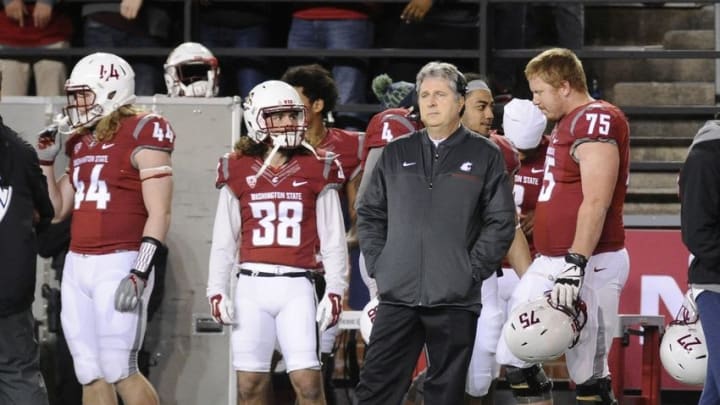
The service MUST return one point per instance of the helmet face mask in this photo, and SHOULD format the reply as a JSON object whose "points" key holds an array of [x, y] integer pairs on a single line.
{"points": [[538, 330], [191, 70], [274, 113], [99, 84]]}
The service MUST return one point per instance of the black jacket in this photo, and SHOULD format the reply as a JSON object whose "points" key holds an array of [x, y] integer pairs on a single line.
{"points": [[700, 205], [435, 222], [23, 190]]}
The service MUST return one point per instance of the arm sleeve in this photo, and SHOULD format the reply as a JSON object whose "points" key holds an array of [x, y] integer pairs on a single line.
{"points": [[372, 216], [333, 248], [225, 242], [699, 213], [38, 185], [498, 221]]}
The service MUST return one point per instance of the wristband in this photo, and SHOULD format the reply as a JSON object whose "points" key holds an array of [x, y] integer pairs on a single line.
{"points": [[576, 259], [147, 255]]}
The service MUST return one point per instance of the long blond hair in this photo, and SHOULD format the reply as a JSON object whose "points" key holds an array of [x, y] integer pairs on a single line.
{"points": [[107, 126]]}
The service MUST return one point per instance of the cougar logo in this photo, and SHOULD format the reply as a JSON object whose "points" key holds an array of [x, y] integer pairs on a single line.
{"points": [[251, 181], [5, 197]]}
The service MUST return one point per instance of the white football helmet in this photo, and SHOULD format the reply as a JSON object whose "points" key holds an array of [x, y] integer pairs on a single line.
{"points": [[99, 84], [683, 351], [191, 70], [367, 317], [538, 330], [271, 97]]}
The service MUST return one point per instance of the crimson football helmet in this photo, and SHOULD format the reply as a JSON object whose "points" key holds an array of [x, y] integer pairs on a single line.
{"points": [[265, 100], [191, 70], [99, 84], [683, 349], [540, 330]]}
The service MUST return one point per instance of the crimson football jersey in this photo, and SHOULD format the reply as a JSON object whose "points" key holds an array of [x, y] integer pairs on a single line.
{"points": [[528, 181], [561, 193], [386, 126], [347, 145], [509, 152], [277, 209], [109, 212]]}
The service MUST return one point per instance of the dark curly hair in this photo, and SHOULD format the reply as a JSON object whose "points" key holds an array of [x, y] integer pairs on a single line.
{"points": [[317, 84]]}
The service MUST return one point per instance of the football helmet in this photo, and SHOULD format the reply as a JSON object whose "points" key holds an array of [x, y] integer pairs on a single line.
{"points": [[99, 84], [191, 70], [539, 330], [367, 317], [266, 99], [683, 350]]}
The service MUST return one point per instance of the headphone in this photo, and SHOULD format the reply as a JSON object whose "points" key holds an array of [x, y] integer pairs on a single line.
{"points": [[461, 84]]}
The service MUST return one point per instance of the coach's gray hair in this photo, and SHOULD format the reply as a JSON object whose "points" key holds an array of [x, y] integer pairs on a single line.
{"points": [[442, 70]]}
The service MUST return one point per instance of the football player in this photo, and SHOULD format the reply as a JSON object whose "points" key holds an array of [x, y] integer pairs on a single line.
{"points": [[118, 187], [191, 70], [279, 222], [319, 94], [478, 116], [578, 230]]}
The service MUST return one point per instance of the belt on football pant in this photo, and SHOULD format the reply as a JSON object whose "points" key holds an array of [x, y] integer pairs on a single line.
{"points": [[245, 272]]}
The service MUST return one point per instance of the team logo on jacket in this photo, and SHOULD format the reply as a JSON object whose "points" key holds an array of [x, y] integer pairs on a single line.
{"points": [[251, 181], [466, 167], [5, 197]]}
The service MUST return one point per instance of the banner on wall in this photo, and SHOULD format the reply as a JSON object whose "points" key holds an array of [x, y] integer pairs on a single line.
{"points": [[656, 286]]}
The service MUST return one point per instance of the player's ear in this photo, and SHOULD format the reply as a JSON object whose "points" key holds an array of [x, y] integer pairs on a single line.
{"points": [[318, 105]]}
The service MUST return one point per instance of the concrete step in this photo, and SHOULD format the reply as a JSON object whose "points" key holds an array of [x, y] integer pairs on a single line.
{"points": [[643, 127], [651, 209], [689, 39], [608, 25], [680, 70], [658, 93], [649, 153], [655, 182]]}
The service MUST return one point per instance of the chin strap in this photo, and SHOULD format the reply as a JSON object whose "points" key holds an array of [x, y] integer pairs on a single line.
{"points": [[266, 163]]}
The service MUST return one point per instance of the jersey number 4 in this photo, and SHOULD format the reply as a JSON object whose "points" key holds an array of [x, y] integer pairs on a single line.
{"points": [[96, 191], [278, 224]]}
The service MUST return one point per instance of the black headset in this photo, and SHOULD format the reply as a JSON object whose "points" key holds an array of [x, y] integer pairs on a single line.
{"points": [[461, 84]]}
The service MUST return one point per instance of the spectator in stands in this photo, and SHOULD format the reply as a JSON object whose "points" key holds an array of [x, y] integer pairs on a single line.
{"points": [[337, 26], [426, 24], [130, 24], [34, 25], [237, 25], [569, 25], [699, 213], [25, 209], [191, 70]]}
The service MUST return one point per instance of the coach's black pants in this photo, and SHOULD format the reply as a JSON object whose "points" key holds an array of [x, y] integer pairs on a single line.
{"points": [[397, 339]]}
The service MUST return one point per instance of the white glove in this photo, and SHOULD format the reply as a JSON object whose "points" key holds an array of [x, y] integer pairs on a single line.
{"points": [[129, 292], [221, 309], [328, 311], [568, 283]]}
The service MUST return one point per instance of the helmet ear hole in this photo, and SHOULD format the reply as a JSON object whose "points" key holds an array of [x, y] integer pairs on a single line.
{"points": [[111, 95]]}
